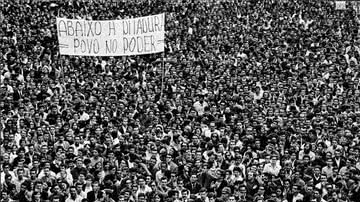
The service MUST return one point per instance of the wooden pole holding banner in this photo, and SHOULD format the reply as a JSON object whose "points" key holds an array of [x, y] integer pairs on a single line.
{"points": [[62, 72], [162, 74]]}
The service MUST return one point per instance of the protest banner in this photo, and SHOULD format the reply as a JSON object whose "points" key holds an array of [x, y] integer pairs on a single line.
{"points": [[136, 36], [340, 5]]}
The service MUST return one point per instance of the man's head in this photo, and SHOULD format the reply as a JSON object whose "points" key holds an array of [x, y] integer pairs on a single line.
{"points": [[193, 178], [274, 159], [295, 189], [141, 181], [95, 186], [79, 163], [329, 162], [142, 197], [73, 192]]}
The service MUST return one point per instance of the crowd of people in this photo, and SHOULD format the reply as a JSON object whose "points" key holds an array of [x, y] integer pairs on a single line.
{"points": [[257, 100]]}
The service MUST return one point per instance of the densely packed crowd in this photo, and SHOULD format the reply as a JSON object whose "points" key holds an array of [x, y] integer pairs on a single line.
{"points": [[259, 102]]}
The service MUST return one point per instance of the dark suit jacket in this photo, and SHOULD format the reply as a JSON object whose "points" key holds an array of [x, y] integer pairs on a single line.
{"points": [[91, 196], [316, 179], [219, 189], [194, 188], [17, 95], [76, 171], [341, 164]]}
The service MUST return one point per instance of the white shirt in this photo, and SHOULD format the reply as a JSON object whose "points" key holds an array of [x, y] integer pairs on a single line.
{"points": [[241, 166], [200, 107], [10, 89], [268, 168], [77, 199], [84, 117], [311, 155], [357, 165], [236, 179], [87, 189], [17, 139], [321, 186], [298, 197], [258, 96], [208, 132], [305, 23], [77, 148], [68, 177], [146, 190], [42, 174], [2, 176]]}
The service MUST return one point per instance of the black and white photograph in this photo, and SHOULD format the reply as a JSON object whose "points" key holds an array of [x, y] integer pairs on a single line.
{"points": [[180, 100]]}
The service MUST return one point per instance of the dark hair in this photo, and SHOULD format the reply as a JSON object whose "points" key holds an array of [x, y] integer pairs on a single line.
{"points": [[141, 194], [237, 169], [56, 197], [157, 194]]}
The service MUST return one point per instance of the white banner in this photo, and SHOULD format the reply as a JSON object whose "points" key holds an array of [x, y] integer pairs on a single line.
{"points": [[136, 36], [340, 5]]}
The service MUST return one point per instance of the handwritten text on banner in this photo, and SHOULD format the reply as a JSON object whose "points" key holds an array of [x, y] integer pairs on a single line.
{"points": [[340, 5], [136, 36]]}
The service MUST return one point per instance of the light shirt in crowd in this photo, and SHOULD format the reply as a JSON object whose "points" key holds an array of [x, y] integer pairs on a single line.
{"points": [[77, 199], [200, 107], [274, 170]]}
